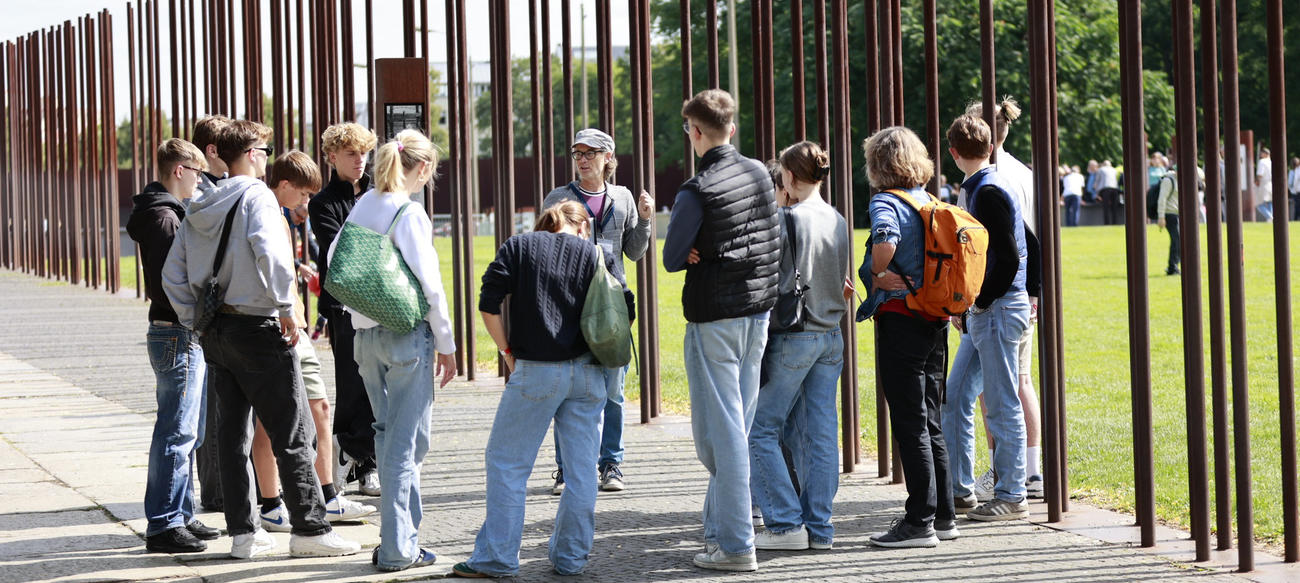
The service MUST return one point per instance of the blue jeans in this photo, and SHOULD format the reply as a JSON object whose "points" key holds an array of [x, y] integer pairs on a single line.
{"points": [[1071, 210], [611, 433], [178, 366], [801, 371], [723, 359], [1265, 210], [397, 370], [988, 361], [572, 392]]}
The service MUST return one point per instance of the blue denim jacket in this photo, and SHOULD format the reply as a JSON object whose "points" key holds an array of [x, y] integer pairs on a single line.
{"points": [[894, 221]]}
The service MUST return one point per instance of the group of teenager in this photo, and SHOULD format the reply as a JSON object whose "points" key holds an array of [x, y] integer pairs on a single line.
{"points": [[219, 266]]}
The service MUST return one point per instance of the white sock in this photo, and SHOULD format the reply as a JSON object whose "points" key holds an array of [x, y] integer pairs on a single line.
{"points": [[1031, 461]]}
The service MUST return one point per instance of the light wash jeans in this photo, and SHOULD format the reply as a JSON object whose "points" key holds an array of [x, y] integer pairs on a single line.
{"points": [[988, 361], [178, 366], [611, 433], [572, 393], [801, 371], [397, 370], [723, 359], [1265, 210]]}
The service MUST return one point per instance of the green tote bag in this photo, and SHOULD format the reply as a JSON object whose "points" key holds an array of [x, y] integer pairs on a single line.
{"points": [[368, 275], [605, 323]]}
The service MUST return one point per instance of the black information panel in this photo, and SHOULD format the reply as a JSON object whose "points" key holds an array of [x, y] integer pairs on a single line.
{"points": [[403, 116]]}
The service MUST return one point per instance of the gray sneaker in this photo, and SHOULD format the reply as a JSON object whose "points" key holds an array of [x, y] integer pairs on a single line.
{"points": [[965, 503], [611, 479], [795, 540], [999, 510], [902, 535], [719, 561], [985, 484]]}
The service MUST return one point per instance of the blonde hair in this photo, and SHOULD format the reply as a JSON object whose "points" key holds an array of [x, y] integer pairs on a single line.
{"points": [[896, 158], [296, 167], [407, 150], [176, 151], [568, 213], [1007, 111], [344, 136]]}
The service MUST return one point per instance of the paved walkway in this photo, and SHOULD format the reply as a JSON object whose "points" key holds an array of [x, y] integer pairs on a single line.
{"points": [[76, 410]]}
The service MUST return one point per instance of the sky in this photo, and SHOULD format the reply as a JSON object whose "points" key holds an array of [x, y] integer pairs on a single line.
{"points": [[387, 20]]}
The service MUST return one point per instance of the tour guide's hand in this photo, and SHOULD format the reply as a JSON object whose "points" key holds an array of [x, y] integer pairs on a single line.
{"points": [[446, 368], [289, 330], [645, 205]]}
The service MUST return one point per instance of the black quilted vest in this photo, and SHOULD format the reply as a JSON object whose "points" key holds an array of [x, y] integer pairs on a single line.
{"points": [[739, 240]]}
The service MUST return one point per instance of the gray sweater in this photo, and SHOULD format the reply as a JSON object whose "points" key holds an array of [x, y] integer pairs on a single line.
{"points": [[624, 234], [823, 258], [257, 274]]}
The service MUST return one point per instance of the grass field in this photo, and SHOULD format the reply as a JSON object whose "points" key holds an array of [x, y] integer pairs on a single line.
{"points": [[1096, 366]]}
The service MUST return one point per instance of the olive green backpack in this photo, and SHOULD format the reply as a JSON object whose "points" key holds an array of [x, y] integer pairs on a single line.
{"points": [[605, 323]]}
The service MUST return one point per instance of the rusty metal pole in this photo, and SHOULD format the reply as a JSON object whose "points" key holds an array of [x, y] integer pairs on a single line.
{"points": [[1193, 355], [988, 72], [684, 16], [175, 77], [639, 183], [605, 66], [797, 71], [885, 66], [823, 74], [277, 81], [548, 100], [650, 262], [711, 34], [932, 134], [842, 167], [502, 122], [870, 13], [1281, 275], [1214, 260], [302, 86], [455, 183], [1139, 314], [566, 67], [109, 136], [1053, 267], [535, 106], [370, 63]]}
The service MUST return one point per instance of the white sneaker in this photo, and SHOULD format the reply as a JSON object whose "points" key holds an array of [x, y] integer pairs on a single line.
{"points": [[249, 545], [341, 468], [795, 540], [946, 529], [370, 483], [340, 508], [756, 515], [720, 561], [984, 486], [329, 544], [277, 520]]}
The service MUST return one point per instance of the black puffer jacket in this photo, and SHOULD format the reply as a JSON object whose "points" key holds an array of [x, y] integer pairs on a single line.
{"points": [[739, 240]]}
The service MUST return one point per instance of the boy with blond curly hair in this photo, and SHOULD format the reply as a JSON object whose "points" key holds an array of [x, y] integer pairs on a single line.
{"points": [[347, 147]]}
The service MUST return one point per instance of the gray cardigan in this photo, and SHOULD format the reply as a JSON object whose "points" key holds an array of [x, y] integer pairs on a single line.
{"points": [[625, 234]]}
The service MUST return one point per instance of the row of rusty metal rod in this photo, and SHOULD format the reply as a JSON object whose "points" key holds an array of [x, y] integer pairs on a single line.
{"points": [[60, 202], [58, 154]]}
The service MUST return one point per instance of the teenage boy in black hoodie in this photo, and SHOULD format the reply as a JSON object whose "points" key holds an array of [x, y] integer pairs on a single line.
{"points": [[348, 146], [176, 357]]}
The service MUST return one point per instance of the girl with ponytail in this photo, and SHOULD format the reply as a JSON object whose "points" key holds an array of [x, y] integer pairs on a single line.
{"points": [[398, 369], [814, 257]]}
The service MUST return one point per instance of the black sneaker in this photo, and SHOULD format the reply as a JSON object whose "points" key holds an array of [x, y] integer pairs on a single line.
{"points": [[202, 531], [611, 479], [174, 540], [558, 487], [902, 535]]}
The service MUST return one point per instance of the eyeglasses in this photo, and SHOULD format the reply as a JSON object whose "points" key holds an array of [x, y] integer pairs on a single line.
{"points": [[265, 150], [589, 154], [196, 170], [686, 127]]}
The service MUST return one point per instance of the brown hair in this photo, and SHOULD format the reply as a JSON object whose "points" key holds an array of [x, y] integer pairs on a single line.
{"points": [[207, 130], [297, 168], [807, 162], [712, 110], [177, 151], [969, 135], [344, 136], [1007, 111], [896, 158], [568, 213], [238, 137], [774, 170], [408, 149]]}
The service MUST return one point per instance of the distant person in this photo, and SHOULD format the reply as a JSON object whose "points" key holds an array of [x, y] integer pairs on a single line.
{"points": [[206, 459], [1090, 188], [724, 233], [802, 367], [293, 178], [1108, 190], [347, 146], [621, 226], [1072, 193], [1264, 184], [1293, 188], [176, 357], [553, 379], [399, 368], [987, 360], [249, 344]]}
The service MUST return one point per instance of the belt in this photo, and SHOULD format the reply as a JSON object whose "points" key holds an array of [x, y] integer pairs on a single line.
{"points": [[163, 323], [228, 309]]}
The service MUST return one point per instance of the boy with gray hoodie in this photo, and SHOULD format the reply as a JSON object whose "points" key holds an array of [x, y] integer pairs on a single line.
{"points": [[249, 344]]}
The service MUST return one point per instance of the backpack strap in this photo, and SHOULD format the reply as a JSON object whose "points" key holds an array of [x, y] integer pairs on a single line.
{"points": [[225, 236], [899, 194]]}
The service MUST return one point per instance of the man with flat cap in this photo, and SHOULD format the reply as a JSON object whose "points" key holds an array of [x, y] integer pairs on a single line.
{"points": [[621, 226]]}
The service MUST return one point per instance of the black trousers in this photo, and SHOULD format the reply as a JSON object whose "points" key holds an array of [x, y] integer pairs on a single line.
{"points": [[254, 371], [353, 418], [913, 356], [206, 457], [1175, 242]]}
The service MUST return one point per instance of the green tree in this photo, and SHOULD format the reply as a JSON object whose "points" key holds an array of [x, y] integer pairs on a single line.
{"points": [[124, 138]]}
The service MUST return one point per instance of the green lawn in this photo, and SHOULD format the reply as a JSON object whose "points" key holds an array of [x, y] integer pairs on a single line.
{"points": [[1096, 366]]}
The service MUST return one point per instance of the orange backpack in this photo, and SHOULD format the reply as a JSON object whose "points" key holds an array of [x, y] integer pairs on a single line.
{"points": [[956, 253]]}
